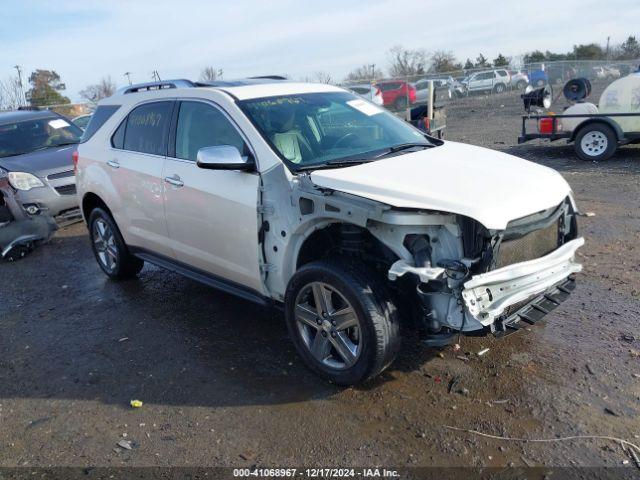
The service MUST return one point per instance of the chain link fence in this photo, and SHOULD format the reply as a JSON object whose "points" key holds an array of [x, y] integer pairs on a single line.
{"points": [[400, 93]]}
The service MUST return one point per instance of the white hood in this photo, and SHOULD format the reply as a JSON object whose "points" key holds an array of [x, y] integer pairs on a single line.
{"points": [[488, 186]]}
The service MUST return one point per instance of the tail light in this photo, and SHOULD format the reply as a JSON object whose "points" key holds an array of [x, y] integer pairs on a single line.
{"points": [[74, 156], [412, 93], [545, 125]]}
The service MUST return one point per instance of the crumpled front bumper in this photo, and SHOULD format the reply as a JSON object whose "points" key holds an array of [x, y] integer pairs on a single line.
{"points": [[487, 296]]}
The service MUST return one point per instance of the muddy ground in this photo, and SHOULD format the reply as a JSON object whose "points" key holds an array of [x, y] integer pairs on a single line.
{"points": [[222, 385]]}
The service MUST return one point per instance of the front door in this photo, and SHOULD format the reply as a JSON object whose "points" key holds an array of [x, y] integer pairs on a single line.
{"points": [[211, 214]]}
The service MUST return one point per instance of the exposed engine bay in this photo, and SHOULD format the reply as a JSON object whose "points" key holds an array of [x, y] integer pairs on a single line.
{"points": [[449, 271]]}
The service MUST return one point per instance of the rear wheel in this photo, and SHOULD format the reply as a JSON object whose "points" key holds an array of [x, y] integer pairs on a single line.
{"points": [[109, 248], [595, 142], [342, 321], [521, 85]]}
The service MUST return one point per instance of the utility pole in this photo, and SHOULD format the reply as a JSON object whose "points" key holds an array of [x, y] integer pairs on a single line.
{"points": [[373, 71], [128, 75], [156, 76], [22, 97], [608, 38]]}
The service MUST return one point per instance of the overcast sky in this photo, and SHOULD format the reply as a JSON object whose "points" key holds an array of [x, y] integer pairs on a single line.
{"points": [[84, 40]]}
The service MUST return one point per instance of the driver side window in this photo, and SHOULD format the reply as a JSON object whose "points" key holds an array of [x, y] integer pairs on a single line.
{"points": [[202, 125]]}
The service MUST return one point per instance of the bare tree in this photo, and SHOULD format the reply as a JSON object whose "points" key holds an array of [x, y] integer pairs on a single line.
{"points": [[211, 74], [94, 93], [11, 94], [443, 61], [406, 63], [321, 77], [365, 73]]}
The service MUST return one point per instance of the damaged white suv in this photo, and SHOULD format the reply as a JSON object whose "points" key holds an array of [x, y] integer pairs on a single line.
{"points": [[312, 198]]}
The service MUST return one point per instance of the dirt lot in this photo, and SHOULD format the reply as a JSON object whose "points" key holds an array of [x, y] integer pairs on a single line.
{"points": [[222, 385]]}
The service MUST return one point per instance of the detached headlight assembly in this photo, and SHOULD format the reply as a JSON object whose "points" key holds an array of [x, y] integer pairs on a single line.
{"points": [[24, 181]]}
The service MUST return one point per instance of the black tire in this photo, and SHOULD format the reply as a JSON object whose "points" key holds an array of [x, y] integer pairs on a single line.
{"points": [[593, 151], [400, 103], [378, 324], [499, 88], [124, 265], [521, 85]]}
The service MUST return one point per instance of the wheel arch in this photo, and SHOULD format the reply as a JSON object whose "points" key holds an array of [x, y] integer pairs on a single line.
{"points": [[90, 201], [602, 121]]}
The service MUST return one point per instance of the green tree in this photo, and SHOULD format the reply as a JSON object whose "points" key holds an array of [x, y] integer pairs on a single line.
{"points": [[534, 57], [468, 65], [554, 57], [501, 61], [590, 51], [482, 62], [629, 49], [45, 89]]}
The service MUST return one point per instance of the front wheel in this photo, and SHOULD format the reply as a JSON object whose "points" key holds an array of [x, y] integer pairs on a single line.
{"points": [[342, 321], [499, 88], [595, 142], [521, 85], [400, 103]]}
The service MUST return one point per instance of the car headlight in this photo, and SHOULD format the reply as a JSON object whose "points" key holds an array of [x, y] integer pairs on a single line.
{"points": [[24, 181]]}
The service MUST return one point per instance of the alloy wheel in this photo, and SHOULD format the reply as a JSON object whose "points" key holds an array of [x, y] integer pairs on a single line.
{"points": [[328, 325], [105, 244]]}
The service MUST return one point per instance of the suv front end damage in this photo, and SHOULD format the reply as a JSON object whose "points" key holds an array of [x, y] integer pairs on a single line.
{"points": [[500, 278]]}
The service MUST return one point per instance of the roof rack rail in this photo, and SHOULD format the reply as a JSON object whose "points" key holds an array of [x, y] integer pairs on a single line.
{"points": [[161, 85]]}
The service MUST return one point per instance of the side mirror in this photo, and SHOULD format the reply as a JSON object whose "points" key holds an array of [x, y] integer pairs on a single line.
{"points": [[223, 157]]}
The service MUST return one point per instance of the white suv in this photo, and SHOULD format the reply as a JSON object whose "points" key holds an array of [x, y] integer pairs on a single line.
{"points": [[310, 197], [495, 81]]}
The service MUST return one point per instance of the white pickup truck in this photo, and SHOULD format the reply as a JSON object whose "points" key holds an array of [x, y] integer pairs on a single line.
{"points": [[311, 198]]}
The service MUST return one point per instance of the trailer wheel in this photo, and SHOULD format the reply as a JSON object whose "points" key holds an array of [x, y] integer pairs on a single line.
{"points": [[595, 142]]}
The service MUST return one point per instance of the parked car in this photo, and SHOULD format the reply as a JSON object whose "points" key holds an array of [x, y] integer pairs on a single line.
{"points": [[607, 73], [82, 121], [36, 150], [495, 81], [369, 91], [396, 92], [309, 197], [422, 87], [519, 80]]}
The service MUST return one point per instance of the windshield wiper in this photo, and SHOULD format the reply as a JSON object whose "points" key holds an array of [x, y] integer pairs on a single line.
{"points": [[402, 146], [336, 163]]}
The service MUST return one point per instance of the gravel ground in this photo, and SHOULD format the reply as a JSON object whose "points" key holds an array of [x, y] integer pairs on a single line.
{"points": [[222, 385]]}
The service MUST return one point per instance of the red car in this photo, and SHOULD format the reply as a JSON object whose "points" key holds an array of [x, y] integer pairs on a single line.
{"points": [[394, 93]]}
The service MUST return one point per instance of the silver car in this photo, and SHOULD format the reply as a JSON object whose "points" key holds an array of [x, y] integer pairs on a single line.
{"points": [[36, 149]]}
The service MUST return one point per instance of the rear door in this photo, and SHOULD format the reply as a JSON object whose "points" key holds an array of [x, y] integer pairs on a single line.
{"points": [[211, 214], [136, 163]]}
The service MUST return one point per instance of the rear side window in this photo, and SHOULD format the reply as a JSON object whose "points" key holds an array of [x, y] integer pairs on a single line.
{"points": [[117, 141], [99, 117], [147, 127]]}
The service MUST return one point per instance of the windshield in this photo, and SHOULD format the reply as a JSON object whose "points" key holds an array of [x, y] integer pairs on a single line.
{"points": [[31, 135], [316, 129]]}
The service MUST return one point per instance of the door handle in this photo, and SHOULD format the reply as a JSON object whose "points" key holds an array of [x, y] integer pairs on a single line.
{"points": [[113, 164], [174, 180]]}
